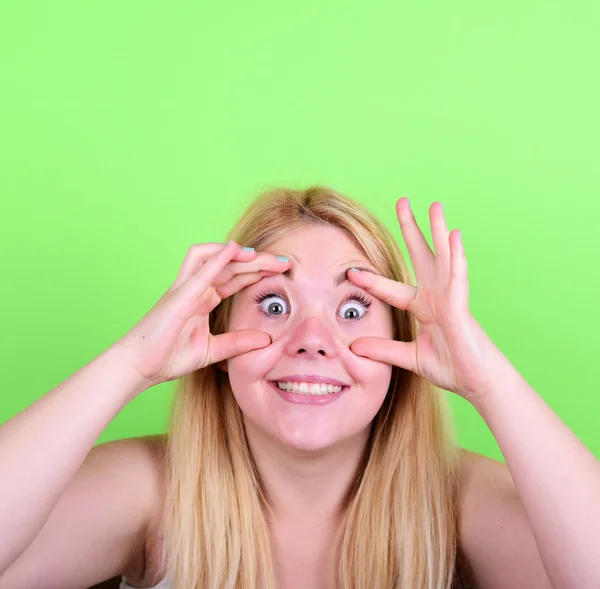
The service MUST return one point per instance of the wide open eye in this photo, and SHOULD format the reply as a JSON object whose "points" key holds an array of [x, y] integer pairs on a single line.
{"points": [[272, 306], [351, 310]]}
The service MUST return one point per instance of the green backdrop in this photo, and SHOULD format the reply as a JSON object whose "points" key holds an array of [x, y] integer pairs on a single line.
{"points": [[130, 130]]}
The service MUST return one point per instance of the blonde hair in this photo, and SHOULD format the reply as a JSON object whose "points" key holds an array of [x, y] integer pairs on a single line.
{"points": [[400, 516]]}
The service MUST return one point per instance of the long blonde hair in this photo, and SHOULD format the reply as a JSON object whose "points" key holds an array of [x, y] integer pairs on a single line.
{"points": [[400, 515]]}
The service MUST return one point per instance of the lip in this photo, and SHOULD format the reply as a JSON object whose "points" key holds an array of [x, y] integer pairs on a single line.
{"points": [[316, 378], [303, 399]]}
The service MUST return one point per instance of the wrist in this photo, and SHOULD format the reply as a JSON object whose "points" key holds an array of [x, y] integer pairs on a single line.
{"points": [[506, 381], [118, 357]]}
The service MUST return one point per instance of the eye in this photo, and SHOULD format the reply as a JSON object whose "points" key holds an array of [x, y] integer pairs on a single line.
{"points": [[349, 310], [271, 308]]}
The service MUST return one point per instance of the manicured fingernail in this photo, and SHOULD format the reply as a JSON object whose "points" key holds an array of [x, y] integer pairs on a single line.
{"points": [[282, 259], [248, 249], [355, 269]]}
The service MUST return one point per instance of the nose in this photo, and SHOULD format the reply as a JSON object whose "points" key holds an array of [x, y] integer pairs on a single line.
{"points": [[312, 338]]}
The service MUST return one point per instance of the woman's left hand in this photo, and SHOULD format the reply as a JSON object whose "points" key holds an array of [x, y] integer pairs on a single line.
{"points": [[451, 349]]}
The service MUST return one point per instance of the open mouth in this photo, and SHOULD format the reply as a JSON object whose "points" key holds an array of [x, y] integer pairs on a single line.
{"points": [[307, 389]]}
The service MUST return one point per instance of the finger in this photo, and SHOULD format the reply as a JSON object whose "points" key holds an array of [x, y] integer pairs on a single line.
{"points": [[440, 235], [194, 288], [380, 349], [262, 262], [233, 343], [208, 301], [198, 254], [420, 253], [241, 281], [458, 291], [397, 294], [213, 296]]}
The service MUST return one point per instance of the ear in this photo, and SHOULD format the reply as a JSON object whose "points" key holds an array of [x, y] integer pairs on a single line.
{"points": [[223, 365]]}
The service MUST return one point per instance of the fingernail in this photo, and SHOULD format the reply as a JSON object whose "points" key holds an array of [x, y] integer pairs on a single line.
{"points": [[355, 269], [248, 249], [282, 259]]}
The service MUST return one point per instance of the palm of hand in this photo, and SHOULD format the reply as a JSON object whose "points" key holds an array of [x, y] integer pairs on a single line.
{"points": [[451, 350]]}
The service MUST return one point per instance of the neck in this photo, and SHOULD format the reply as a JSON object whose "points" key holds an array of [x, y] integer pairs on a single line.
{"points": [[306, 484]]}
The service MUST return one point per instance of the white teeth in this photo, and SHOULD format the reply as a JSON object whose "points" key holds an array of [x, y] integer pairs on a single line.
{"points": [[309, 388]]}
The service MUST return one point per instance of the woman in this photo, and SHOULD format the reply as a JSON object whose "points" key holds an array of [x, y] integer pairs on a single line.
{"points": [[269, 479]]}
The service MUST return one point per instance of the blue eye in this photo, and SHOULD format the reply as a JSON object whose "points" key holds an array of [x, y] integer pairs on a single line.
{"points": [[275, 308], [351, 307], [362, 299]]}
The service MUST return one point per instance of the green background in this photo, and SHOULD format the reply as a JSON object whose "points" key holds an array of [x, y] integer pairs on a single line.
{"points": [[130, 130]]}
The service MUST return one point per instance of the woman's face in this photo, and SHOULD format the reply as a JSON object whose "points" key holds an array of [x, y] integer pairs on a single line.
{"points": [[312, 323]]}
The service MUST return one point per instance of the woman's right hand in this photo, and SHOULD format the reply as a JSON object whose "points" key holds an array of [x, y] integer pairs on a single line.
{"points": [[173, 338]]}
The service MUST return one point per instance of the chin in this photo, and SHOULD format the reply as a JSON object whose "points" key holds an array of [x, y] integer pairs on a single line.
{"points": [[308, 444], [308, 438]]}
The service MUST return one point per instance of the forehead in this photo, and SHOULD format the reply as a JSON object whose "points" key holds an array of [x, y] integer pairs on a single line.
{"points": [[318, 245]]}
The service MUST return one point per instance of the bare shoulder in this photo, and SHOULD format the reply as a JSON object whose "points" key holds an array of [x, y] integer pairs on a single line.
{"points": [[477, 468], [495, 534], [100, 525], [156, 447]]}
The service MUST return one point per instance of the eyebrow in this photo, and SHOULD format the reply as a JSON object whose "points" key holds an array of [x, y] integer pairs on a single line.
{"points": [[339, 279]]}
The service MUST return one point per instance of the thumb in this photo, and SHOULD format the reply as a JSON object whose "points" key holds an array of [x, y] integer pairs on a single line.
{"points": [[233, 343], [380, 349]]}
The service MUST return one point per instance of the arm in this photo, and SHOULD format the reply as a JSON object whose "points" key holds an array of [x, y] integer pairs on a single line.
{"points": [[556, 476], [495, 534], [43, 446], [100, 527]]}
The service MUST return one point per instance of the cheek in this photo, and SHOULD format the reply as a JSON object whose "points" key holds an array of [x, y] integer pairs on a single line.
{"points": [[240, 371], [243, 368], [373, 377], [386, 322]]}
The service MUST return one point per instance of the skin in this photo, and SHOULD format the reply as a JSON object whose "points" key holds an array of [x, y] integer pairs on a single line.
{"points": [[308, 454], [530, 523]]}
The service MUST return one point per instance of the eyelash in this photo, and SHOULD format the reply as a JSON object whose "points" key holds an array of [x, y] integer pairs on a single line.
{"points": [[353, 296]]}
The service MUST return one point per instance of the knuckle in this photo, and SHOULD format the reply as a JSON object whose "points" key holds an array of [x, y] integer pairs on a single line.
{"points": [[195, 248], [201, 249], [224, 276], [235, 339], [215, 298]]}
